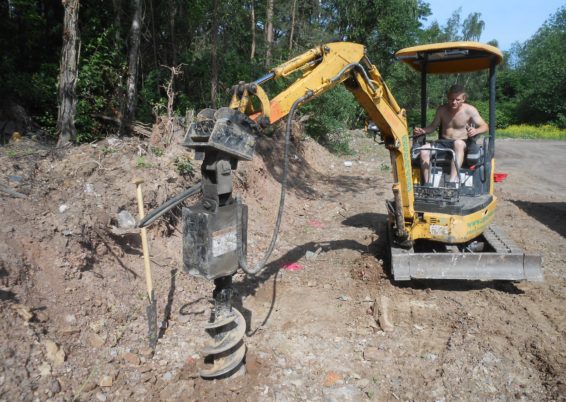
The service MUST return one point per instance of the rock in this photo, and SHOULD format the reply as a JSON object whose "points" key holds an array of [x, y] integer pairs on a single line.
{"points": [[126, 220], [100, 397], [168, 376], [312, 255], [70, 319], [23, 311], [89, 188], [101, 249], [106, 381], [41, 316], [179, 391], [55, 386], [63, 208], [44, 369], [131, 358], [69, 330], [54, 353], [95, 340], [363, 383], [146, 352], [346, 393], [383, 314], [331, 378], [372, 354]]}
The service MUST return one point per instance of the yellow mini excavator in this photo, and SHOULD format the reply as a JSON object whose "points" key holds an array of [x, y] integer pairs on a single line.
{"points": [[435, 231]]}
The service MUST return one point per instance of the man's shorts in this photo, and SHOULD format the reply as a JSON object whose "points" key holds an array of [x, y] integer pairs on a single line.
{"points": [[447, 144]]}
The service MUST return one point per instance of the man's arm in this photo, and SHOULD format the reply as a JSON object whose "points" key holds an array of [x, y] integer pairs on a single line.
{"points": [[479, 124], [430, 128]]}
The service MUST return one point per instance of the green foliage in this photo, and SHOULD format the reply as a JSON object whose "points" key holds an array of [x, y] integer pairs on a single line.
{"points": [[530, 83], [98, 87], [157, 151], [542, 73], [184, 166], [109, 150], [502, 118], [330, 115], [141, 163]]}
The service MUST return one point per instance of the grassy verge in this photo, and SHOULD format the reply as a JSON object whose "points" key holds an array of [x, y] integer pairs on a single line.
{"points": [[524, 131]]}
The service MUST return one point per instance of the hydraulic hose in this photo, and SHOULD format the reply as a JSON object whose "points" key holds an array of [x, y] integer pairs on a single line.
{"points": [[242, 258], [162, 209]]}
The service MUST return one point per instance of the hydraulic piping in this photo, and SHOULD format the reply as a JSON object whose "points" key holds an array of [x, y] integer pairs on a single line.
{"points": [[242, 258]]}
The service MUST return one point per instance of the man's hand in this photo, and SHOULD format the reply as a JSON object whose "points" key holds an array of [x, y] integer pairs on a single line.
{"points": [[472, 131], [418, 131]]}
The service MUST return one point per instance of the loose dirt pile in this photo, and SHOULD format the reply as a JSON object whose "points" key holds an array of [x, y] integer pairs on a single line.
{"points": [[72, 295]]}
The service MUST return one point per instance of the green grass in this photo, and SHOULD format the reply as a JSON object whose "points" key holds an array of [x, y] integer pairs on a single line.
{"points": [[524, 131], [141, 163]]}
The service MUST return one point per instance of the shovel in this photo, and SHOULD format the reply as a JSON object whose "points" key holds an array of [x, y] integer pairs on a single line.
{"points": [[151, 309]]}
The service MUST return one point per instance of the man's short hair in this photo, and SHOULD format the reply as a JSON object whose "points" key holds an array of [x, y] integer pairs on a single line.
{"points": [[456, 89]]}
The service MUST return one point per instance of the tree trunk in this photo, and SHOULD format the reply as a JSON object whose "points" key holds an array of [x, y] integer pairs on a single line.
{"points": [[153, 36], [269, 33], [292, 30], [129, 109], [252, 53], [172, 14], [117, 5], [68, 73], [213, 55]]}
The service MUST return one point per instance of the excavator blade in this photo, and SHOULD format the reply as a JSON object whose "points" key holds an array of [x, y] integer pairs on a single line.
{"points": [[501, 260]]}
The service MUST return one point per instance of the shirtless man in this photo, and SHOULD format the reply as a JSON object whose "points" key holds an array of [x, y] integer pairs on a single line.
{"points": [[460, 121]]}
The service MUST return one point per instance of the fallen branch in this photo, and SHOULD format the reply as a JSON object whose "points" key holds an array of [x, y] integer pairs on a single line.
{"points": [[381, 314]]}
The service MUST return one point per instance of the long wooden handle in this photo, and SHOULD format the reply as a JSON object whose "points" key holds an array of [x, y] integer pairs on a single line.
{"points": [[145, 248]]}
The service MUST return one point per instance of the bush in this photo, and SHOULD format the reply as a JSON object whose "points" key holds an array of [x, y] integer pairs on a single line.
{"points": [[330, 116], [503, 115]]}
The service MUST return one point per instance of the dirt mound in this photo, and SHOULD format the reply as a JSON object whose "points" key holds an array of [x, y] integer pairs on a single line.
{"points": [[73, 299]]}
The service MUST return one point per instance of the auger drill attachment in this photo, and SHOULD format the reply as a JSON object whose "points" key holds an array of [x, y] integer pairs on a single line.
{"points": [[211, 244]]}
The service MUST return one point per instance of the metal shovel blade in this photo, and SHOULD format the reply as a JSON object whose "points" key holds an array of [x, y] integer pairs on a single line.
{"points": [[151, 311]]}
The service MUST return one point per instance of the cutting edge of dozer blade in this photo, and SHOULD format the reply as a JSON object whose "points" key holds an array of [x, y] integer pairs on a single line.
{"points": [[507, 263]]}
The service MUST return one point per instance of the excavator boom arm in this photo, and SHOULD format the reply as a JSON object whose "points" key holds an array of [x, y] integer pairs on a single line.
{"points": [[322, 69]]}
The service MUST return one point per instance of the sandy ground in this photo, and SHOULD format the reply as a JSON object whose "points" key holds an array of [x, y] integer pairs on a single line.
{"points": [[73, 302]]}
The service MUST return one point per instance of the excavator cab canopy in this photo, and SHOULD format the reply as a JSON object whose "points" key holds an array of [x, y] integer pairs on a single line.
{"points": [[453, 58], [450, 57]]}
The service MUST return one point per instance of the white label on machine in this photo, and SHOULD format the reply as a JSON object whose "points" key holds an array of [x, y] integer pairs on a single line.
{"points": [[466, 180], [438, 230], [224, 241]]}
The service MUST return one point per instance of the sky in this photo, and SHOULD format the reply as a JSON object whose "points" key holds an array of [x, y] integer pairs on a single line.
{"points": [[508, 21]]}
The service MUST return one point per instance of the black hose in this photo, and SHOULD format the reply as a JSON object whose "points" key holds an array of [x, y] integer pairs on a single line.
{"points": [[242, 258], [162, 209]]}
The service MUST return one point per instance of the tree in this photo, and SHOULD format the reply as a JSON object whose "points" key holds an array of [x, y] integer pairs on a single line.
{"points": [[68, 74], [542, 73], [269, 33], [133, 66], [472, 27], [214, 54]]}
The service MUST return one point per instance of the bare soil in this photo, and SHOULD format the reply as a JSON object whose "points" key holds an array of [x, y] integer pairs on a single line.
{"points": [[73, 299]]}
